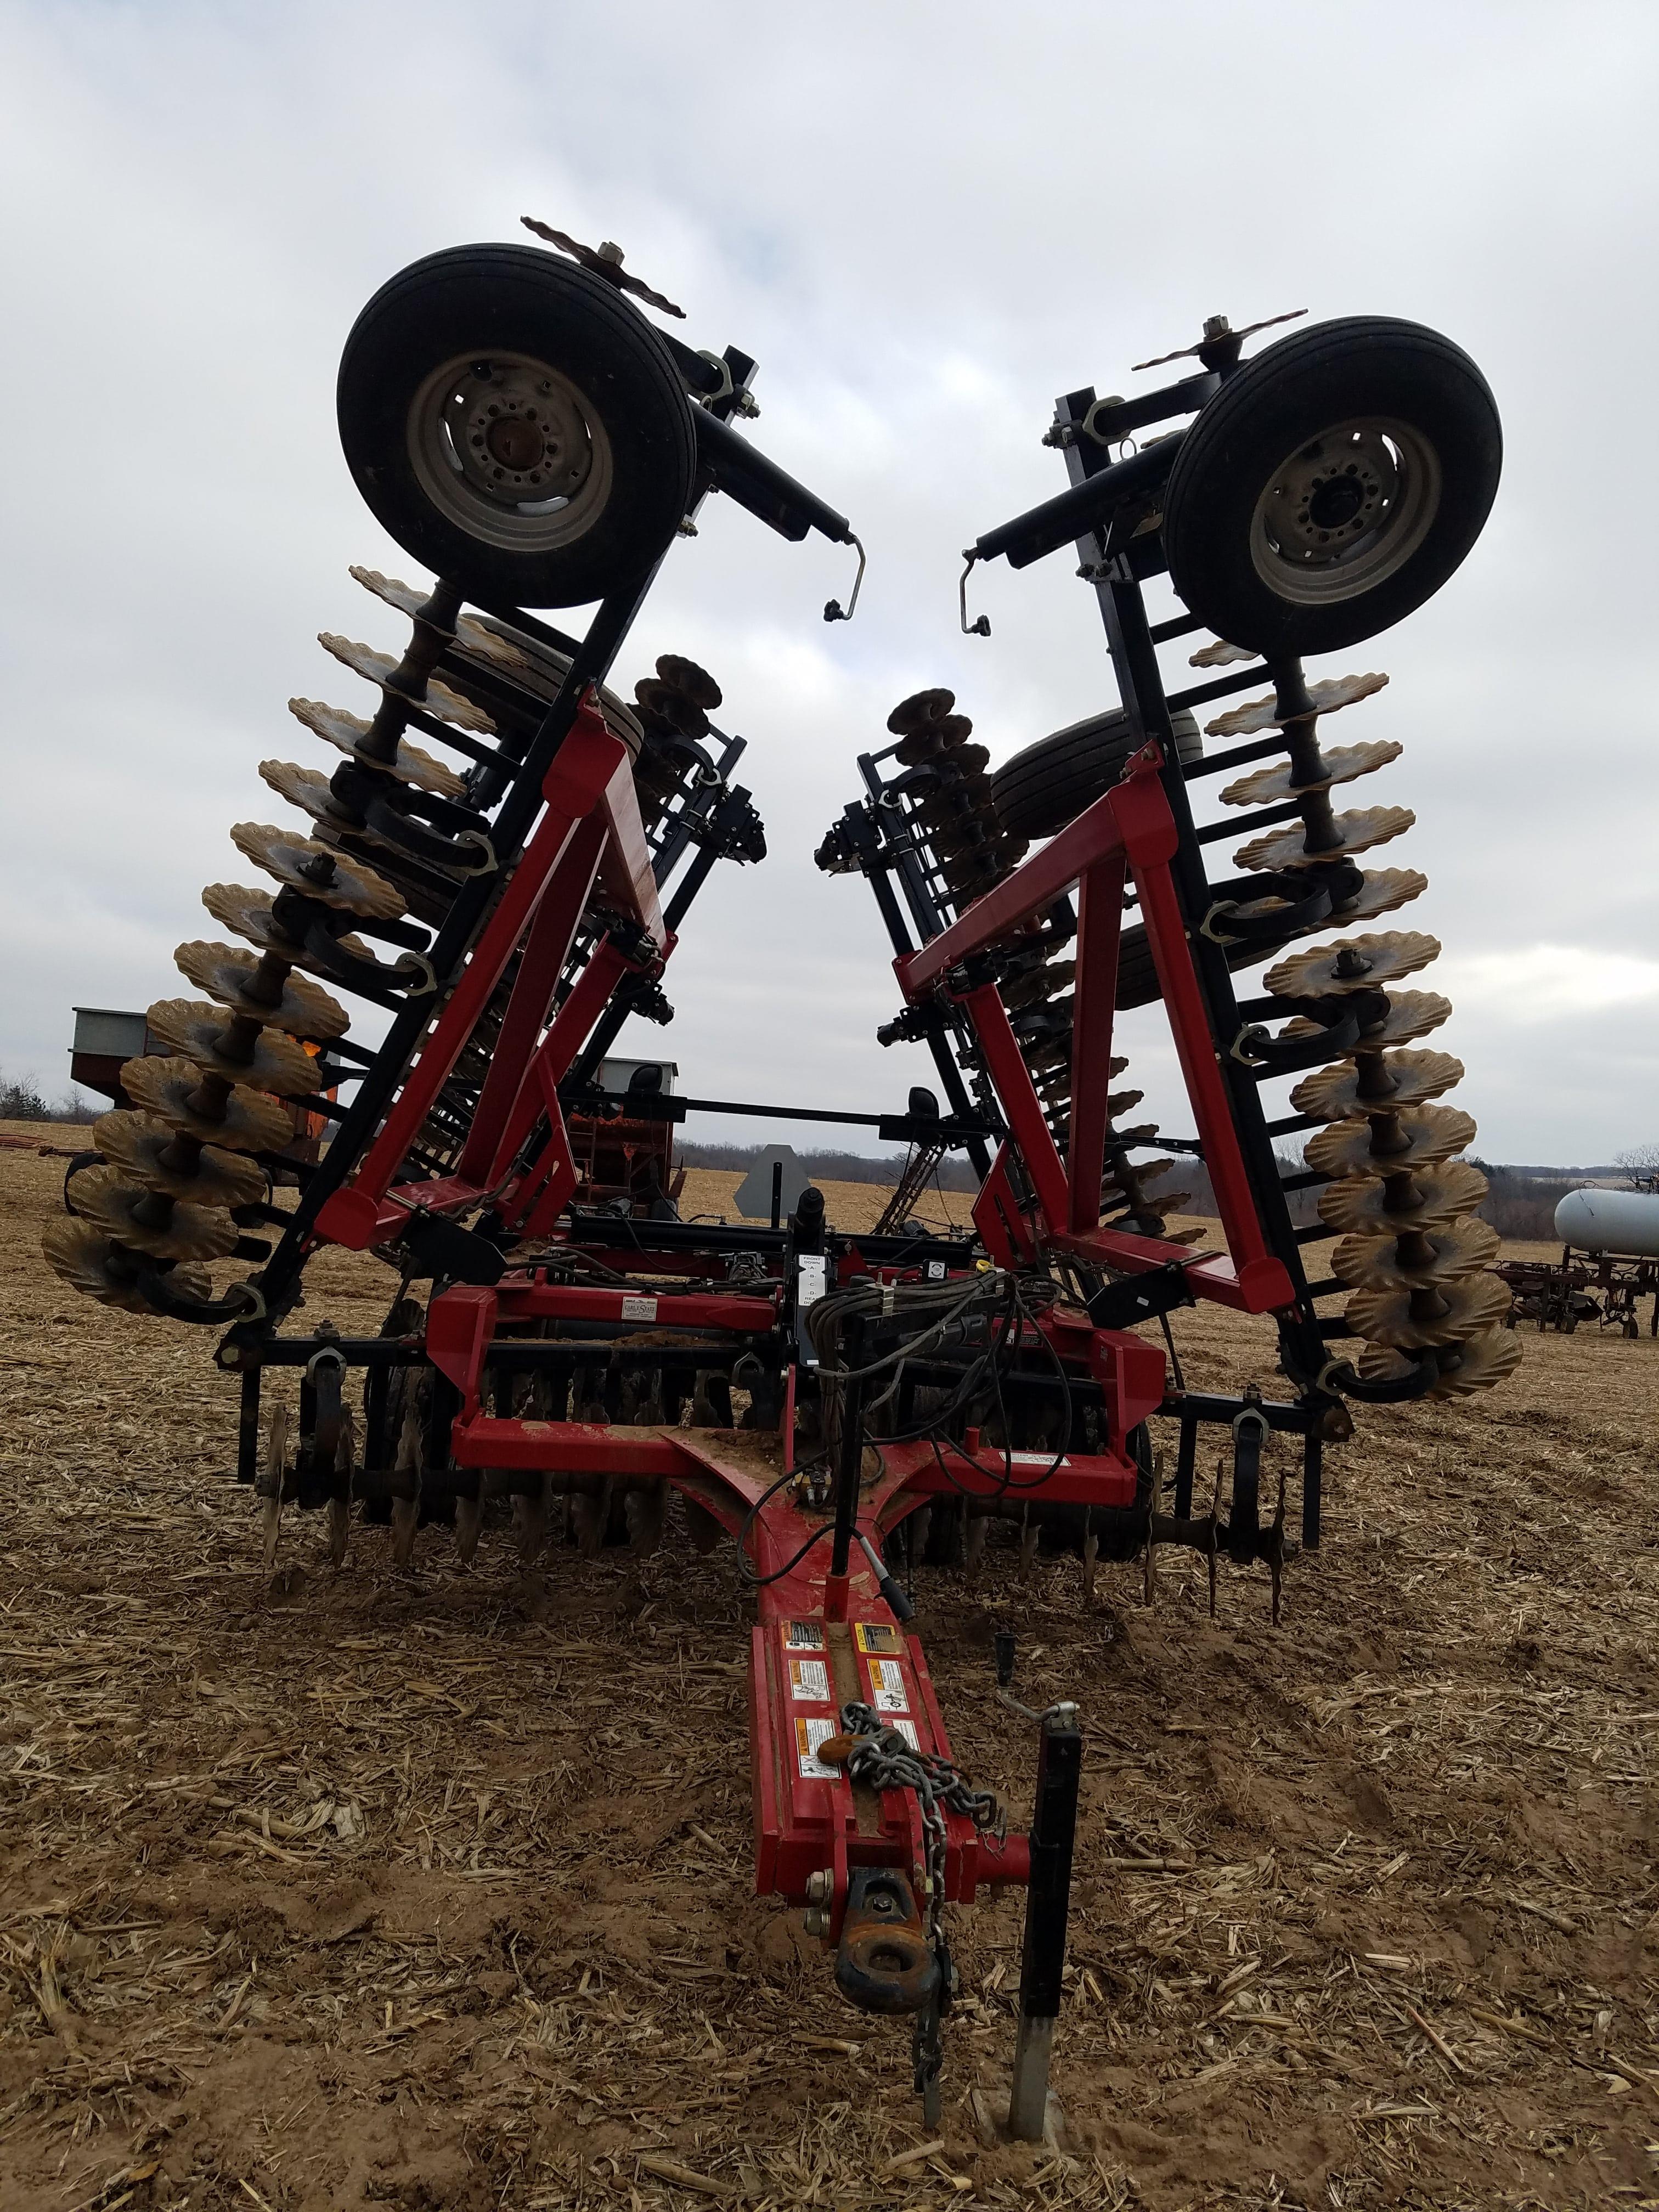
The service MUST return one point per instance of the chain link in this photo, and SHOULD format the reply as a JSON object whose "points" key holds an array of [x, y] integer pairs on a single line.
{"points": [[884, 1759]]}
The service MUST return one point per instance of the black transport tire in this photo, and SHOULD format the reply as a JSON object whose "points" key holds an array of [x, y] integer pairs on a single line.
{"points": [[590, 451], [1038, 792], [1277, 550], [1042, 789], [1137, 977], [78, 1161]]}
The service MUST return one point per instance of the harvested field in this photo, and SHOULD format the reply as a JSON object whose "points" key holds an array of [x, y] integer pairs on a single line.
{"points": [[432, 1890]]}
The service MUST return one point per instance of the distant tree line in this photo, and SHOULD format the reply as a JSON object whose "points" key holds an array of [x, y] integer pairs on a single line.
{"points": [[1522, 1201], [22, 1100]]}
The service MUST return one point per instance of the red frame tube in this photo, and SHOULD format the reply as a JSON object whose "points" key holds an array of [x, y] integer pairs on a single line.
{"points": [[1131, 827], [816, 1646], [591, 826]]}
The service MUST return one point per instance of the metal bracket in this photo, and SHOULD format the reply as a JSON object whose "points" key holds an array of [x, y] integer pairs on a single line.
{"points": [[834, 611], [725, 389], [982, 628]]}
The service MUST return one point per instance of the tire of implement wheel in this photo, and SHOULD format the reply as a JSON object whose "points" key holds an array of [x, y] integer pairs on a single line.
{"points": [[78, 1161], [1332, 485], [1040, 790], [1137, 975], [516, 426]]}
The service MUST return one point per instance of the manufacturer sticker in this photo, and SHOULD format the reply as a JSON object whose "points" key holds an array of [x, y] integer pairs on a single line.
{"points": [[887, 1691], [809, 1681], [875, 1636], [809, 1735], [803, 1636], [636, 1308]]}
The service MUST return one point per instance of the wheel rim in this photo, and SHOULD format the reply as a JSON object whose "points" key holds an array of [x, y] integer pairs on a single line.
{"points": [[1346, 511], [510, 450]]}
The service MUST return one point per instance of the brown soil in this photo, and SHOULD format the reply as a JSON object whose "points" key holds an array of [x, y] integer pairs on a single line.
{"points": [[851, 1205], [433, 1890]]}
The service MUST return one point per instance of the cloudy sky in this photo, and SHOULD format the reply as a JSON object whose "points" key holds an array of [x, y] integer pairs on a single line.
{"points": [[925, 221]]}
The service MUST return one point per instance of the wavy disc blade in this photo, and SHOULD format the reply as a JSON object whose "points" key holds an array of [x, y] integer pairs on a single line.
{"points": [[1332, 1094], [1359, 1207], [224, 972], [1377, 1263], [276, 1062], [112, 1204], [138, 1143], [1472, 1303], [247, 1122], [93, 1263]]}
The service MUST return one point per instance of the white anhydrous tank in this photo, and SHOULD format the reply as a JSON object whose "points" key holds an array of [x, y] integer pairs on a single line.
{"points": [[1621, 1221]]}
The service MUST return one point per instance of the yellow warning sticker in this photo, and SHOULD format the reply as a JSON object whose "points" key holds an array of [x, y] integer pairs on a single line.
{"points": [[875, 1636], [803, 1636], [809, 1681], [809, 1735], [887, 1691]]}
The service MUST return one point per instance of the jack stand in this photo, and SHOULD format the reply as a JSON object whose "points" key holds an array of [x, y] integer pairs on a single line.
{"points": [[1048, 1905]]}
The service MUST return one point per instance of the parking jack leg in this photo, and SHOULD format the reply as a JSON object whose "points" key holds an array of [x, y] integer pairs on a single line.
{"points": [[1048, 1905]]}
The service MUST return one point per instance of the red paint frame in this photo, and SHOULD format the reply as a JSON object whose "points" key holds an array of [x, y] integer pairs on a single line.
{"points": [[590, 829], [806, 1821], [1131, 831]]}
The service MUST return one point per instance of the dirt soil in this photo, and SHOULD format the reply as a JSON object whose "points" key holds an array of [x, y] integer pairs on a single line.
{"points": [[433, 1890]]}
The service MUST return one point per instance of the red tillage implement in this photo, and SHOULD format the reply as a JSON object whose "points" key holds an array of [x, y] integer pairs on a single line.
{"points": [[845, 1406]]}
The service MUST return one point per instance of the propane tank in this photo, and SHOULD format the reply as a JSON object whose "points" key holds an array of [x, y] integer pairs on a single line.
{"points": [[1625, 1222]]}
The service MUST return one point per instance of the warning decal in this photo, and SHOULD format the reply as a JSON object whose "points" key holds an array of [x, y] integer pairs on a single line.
{"points": [[803, 1636], [887, 1690], [809, 1681], [809, 1735], [907, 1728], [875, 1636], [638, 1309]]}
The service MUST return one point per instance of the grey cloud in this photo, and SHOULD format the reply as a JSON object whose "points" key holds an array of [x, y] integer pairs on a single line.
{"points": [[926, 221]]}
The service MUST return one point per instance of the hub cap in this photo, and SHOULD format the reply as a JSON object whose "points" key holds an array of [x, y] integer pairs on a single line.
{"points": [[1344, 512], [510, 450]]}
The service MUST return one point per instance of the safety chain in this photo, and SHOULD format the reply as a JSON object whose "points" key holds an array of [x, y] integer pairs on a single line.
{"points": [[884, 1758]]}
